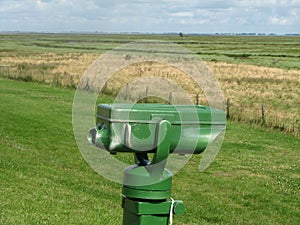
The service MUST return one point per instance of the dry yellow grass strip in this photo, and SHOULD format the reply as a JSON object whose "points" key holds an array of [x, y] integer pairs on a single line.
{"points": [[247, 86]]}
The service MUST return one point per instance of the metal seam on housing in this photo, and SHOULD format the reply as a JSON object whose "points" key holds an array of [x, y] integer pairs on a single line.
{"points": [[155, 122]]}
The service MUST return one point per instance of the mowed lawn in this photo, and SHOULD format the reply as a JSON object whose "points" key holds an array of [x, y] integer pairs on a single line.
{"points": [[255, 179]]}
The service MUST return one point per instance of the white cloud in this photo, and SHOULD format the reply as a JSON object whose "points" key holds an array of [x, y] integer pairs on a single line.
{"points": [[151, 15], [255, 3], [278, 20], [40, 4], [183, 14], [6, 6]]}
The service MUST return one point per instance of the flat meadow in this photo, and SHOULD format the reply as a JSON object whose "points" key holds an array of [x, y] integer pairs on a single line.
{"points": [[254, 179], [253, 71]]}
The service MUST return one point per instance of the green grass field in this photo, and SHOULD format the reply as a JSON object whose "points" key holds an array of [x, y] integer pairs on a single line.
{"points": [[252, 70], [272, 51], [44, 180]]}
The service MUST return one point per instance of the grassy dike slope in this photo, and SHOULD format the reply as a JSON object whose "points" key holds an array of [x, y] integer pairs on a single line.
{"points": [[44, 180]]}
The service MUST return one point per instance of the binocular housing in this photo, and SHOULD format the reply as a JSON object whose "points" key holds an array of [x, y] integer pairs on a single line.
{"points": [[134, 127]]}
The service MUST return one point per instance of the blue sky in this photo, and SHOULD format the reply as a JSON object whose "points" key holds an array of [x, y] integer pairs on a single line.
{"points": [[188, 16]]}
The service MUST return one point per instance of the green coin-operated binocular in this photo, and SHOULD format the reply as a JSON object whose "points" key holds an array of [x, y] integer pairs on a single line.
{"points": [[156, 130]]}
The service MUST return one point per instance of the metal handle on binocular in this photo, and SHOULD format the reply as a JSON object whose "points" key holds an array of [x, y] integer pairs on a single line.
{"points": [[162, 142], [162, 147]]}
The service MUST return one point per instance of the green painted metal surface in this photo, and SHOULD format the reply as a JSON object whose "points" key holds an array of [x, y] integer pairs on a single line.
{"points": [[159, 129], [147, 208], [152, 181], [146, 213], [132, 128], [133, 219]]}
